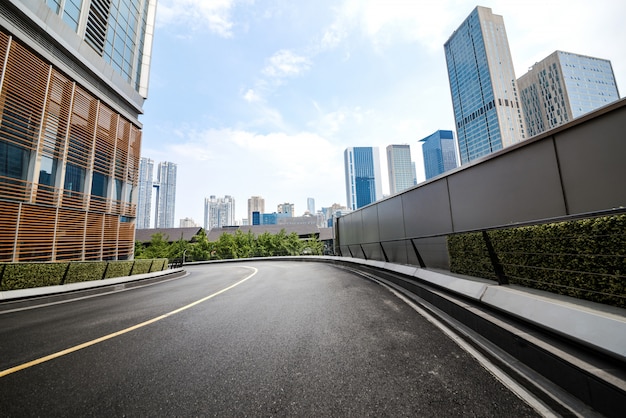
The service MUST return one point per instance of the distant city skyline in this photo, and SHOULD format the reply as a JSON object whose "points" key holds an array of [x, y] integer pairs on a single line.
{"points": [[362, 176], [275, 103]]}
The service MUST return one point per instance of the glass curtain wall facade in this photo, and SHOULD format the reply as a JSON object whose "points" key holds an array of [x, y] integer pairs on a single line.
{"points": [[69, 138], [363, 178], [439, 150], [255, 204], [400, 168], [486, 106], [564, 86], [144, 199], [166, 195]]}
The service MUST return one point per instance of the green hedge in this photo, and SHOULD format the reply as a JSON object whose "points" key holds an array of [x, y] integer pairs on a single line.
{"points": [[27, 275], [84, 271], [585, 259]]}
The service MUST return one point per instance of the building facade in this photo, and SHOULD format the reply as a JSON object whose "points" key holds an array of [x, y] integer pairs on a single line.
{"points": [[439, 150], [166, 195], [487, 109], [363, 177], [70, 138], [144, 198], [285, 209], [400, 168], [255, 204], [310, 205], [564, 86], [219, 212]]}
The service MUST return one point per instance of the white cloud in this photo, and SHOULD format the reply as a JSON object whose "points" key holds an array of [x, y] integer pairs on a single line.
{"points": [[286, 63], [287, 167], [251, 96], [197, 14]]}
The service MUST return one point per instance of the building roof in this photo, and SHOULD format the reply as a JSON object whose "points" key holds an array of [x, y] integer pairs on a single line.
{"points": [[170, 234], [302, 230]]}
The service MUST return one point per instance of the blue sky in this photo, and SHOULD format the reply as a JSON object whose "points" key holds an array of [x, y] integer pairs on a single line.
{"points": [[261, 97]]}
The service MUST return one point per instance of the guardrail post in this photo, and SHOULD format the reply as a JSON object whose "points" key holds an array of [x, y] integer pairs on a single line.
{"points": [[106, 268], [363, 251], [495, 262], [67, 269]]}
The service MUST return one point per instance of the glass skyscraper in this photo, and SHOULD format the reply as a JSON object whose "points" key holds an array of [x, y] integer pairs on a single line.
{"points": [[144, 200], [439, 150], [73, 80], [400, 168], [363, 182], [564, 86], [487, 110], [166, 195]]}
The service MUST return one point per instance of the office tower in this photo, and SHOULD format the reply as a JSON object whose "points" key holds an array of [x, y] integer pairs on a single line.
{"points": [[165, 195], [487, 111], [562, 87], [70, 137], [363, 178], [310, 205], [144, 199], [286, 209], [219, 212], [439, 150], [400, 168], [255, 204]]}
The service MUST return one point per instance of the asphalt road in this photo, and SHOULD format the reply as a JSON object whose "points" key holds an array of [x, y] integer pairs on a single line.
{"points": [[294, 339]]}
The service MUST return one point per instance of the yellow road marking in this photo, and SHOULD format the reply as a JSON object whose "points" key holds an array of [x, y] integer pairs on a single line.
{"points": [[118, 333]]}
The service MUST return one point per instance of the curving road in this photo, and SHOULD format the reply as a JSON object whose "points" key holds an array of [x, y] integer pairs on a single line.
{"points": [[256, 339]]}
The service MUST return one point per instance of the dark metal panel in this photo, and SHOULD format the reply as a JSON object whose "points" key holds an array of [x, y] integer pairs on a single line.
{"points": [[521, 185], [396, 252], [372, 251], [390, 216], [427, 209], [434, 252], [593, 166], [370, 224]]}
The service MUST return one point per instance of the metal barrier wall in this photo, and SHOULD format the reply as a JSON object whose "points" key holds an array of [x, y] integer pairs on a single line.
{"points": [[575, 169]]}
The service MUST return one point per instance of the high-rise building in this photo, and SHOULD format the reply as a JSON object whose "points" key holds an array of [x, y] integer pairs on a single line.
{"points": [[487, 109], [255, 204], [439, 150], [285, 209], [400, 168], [310, 205], [166, 195], [144, 199], [73, 80], [564, 86], [187, 223], [219, 212], [363, 178]]}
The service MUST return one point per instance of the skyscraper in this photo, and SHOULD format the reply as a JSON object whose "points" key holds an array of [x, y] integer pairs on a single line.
{"points": [[219, 212], [400, 168], [564, 86], [166, 195], [285, 209], [255, 204], [70, 137], [144, 200], [487, 111], [363, 178], [439, 152], [310, 205]]}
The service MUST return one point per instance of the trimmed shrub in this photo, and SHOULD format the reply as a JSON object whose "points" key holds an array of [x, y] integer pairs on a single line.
{"points": [[118, 269], [28, 275], [159, 264], [141, 266], [585, 258], [83, 271]]}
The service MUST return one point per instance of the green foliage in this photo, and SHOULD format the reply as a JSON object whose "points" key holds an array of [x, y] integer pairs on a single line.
{"points": [[85, 271], [584, 258], [119, 269], [142, 267], [159, 264], [158, 248], [27, 275]]}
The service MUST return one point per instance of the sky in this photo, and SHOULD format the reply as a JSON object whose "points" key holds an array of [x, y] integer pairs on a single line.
{"points": [[262, 97]]}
